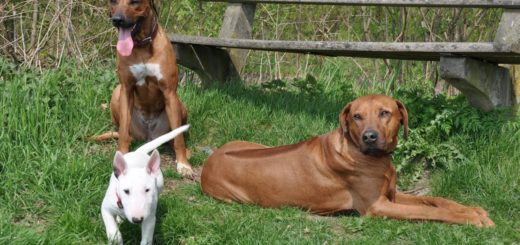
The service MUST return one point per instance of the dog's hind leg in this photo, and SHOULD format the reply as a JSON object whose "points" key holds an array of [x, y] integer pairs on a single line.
{"points": [[104, 137]]}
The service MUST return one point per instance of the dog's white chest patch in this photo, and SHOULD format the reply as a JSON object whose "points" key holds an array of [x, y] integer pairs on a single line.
{"points": [[141, 71]]}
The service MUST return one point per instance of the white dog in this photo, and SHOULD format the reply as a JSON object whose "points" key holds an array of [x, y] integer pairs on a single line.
{"points": [[134, 189]]}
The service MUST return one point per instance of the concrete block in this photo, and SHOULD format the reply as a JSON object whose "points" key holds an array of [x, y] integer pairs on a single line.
{"points": [[485, 85]]}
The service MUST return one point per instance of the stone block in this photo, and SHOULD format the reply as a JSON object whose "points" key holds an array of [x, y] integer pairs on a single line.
{"points": [[485, 85]]}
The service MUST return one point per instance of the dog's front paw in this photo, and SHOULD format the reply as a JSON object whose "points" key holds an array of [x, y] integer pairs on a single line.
{"points": [[185, 170], [485, 222], [484, 217], [488, 223], [480, 211], [481, 221], [115, 239], [119, 220]]}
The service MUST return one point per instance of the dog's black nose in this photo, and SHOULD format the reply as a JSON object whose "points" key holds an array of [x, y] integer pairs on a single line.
{"points": [[370, 136], [118, 20], [137, 220]]}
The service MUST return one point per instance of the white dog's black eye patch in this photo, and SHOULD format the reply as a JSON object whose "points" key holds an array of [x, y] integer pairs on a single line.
{"points": [[127, 191]]}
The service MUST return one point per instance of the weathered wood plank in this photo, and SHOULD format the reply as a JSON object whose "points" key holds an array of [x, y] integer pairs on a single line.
{"points": [[510, 4], [405, 51]]}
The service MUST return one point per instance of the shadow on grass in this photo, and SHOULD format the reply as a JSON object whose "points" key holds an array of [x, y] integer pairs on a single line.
{"points": [[315, 103]]}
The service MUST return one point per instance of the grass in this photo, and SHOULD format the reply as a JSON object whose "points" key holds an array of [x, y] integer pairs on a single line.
{"points": [[52, 182]]}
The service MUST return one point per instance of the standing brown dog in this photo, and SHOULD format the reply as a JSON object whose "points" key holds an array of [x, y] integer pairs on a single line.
{"points": [[145, 104], [347, 169]]}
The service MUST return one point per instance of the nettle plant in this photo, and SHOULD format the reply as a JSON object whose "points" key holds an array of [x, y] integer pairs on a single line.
{"points": [[428, 146], [438, 127]]}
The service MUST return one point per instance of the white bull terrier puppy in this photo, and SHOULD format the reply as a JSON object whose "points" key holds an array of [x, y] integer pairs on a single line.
{"points": [[134, 189]]}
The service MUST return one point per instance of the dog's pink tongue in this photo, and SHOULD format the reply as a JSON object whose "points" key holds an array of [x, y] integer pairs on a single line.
{"points": [[125, 42]]}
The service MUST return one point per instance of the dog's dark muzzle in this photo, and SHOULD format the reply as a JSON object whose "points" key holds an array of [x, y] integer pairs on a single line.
{"points": [[372, 144], [374, 151], [119, 21]]}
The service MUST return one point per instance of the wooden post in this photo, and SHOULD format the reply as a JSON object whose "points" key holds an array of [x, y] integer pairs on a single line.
{"points": [[516, 83], [508, 33], [508, 38], [238, 23], [216, 64]]}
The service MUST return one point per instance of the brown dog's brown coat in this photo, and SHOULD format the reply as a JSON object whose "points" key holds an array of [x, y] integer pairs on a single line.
{"points": [[149, 110], [334, 172]]}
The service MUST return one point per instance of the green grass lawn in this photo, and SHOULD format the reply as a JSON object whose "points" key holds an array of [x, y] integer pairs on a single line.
{"points": [[52, 182]]}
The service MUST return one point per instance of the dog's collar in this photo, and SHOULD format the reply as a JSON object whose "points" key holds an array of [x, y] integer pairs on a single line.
{"points": [[119, 202], [147, 40]]}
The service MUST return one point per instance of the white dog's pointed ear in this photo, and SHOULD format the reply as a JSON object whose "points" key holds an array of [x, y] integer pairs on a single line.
{"points": [[119, 164], [154, 163]]}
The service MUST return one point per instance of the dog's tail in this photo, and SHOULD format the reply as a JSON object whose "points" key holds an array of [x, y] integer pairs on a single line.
{"points": [[150, 146]]}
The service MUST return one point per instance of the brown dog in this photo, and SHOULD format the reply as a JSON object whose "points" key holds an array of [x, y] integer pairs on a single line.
{"points": [[347, 169], [145, 105]]}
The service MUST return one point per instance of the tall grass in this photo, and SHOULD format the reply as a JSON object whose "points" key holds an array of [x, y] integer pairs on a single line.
{"points": [[45, 33], [52, 182]]}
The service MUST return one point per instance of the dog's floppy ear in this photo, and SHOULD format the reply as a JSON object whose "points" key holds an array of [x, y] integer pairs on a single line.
{"points": [[343, 118], [119, 164], [404, 117], [154, 163]]}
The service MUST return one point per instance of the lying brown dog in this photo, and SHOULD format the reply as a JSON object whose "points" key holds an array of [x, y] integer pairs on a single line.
{"points": [[347, 169]]}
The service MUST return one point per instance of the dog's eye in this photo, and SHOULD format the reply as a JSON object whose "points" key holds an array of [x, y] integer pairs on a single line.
{"points": [[147, 190], [127, 191], [135, 1], [384, 114], [357, 116], [113, 1]]}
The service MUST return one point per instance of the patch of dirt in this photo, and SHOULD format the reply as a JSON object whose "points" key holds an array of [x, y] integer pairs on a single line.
{"points": [[103, 147], [423, 185], [338, 226], [206, 149], [167, 161], [33, 220], [171, 184]]}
